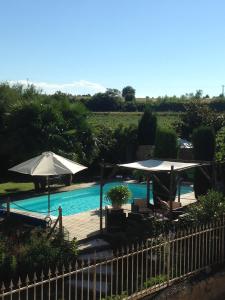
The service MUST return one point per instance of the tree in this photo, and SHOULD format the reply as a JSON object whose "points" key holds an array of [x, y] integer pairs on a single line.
{"points": [[128, 93], [34, 127], [108, 101], [147, 128], [204, 149], [197, 114], [113, 93], [198, 94]]}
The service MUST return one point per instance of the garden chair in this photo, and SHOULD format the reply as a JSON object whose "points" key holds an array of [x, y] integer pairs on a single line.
{"points": [[140, 205], [163, 207]]}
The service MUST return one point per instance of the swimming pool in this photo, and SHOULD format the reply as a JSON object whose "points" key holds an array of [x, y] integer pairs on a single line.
{"points": [[79, 200]]}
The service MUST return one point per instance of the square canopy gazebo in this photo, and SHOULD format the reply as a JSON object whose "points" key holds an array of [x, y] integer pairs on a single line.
{"points": [[153, 166], [156, 165]]}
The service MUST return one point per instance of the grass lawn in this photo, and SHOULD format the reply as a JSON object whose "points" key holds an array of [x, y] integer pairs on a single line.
{"points": [[15, 187], [113, 119]]}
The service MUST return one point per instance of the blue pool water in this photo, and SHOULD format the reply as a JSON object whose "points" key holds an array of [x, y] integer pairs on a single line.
{"points": [[79, 200]]}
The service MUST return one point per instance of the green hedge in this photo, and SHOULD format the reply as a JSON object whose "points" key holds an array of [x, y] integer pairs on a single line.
{"points": [[204, 149], [147, 128]]}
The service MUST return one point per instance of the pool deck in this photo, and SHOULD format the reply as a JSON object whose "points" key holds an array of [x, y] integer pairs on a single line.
{"points": [[86, 224]]}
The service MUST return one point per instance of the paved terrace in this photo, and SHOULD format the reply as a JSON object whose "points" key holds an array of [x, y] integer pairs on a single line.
{"points": [[86, 224]]}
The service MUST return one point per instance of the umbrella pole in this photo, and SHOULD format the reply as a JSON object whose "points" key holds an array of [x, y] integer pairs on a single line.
{"points": [[101, 196], [48, 196]]}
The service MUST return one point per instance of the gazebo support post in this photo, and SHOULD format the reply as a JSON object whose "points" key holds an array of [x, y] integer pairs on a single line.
{"points": [[204, 172], [171, 191], [60, 221], [148, 189], [48, 196], [101, 194], [179, 185], [8, 207]]}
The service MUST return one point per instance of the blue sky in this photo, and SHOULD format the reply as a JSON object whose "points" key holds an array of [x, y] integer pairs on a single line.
{"points": [[84, 46]]}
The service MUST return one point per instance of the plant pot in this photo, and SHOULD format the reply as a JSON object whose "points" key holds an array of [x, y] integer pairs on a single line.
{"points": [[115, 220], [116, 207]]}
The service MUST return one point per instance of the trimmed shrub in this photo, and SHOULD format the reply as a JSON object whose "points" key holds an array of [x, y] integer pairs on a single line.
{"points": [[209, 208], [147, 128], [166, 147], [220, 157], [204, 149], [220, 145]]}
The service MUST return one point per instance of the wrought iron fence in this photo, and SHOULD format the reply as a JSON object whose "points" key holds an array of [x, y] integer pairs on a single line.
{"points": [[133, 272]]}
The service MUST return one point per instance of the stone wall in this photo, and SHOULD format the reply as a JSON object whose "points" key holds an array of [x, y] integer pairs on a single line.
{"points": [[145, 152]]}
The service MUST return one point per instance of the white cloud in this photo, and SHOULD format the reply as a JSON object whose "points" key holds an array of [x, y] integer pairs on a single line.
{"points": [[80, 87]]}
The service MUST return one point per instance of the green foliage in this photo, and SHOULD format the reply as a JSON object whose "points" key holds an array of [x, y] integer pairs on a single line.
{"points": [[198, 114], [208, 208], [139, 175], [220, 157], [126, 138], [218, 104], [204, 143], [116, 297], [112, 119], [128, 93], [108, 101], [147, 128], [204, 149], [118, 195], [220, 145], [155, 280], [107, 141], [15, 187], [129, 106], [198, 94], [166, 145], [23, 253], [34, 123]]}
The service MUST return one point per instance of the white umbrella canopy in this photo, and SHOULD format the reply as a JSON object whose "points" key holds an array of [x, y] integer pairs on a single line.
{"points": [[48, 164]]}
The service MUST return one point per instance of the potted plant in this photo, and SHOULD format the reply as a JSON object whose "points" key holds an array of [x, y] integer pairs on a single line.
{"points": [[118, 196]]}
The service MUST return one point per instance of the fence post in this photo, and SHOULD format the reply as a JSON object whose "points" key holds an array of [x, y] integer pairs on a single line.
{"points": [[94, 278], [60, 220], [168, 259], [8, 206]]}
